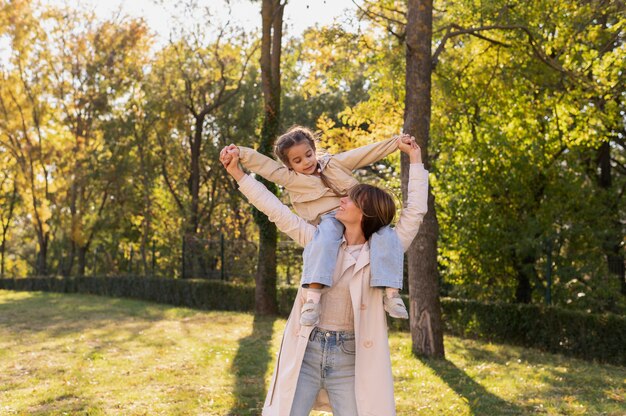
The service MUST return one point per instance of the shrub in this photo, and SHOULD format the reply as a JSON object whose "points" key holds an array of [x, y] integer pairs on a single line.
{"points": [[201, 294], [576, 333]]}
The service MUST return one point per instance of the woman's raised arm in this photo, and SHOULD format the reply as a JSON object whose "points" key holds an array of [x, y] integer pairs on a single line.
{"points": [[416, 206], [295, 227]]}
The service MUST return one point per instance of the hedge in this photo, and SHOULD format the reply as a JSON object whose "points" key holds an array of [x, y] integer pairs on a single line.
{"points": [[200, 294], [574, 333], [557, 330]]}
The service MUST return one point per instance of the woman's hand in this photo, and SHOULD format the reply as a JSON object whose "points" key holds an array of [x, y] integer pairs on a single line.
{"points": [[230, 160], [408, 145], [404, 142]]}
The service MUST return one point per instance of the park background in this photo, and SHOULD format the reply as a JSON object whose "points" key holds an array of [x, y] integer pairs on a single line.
{"points": [[111, 125]]}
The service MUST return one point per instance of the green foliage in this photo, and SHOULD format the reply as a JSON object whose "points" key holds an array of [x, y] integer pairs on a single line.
{"points": [[515, 149], [321, 75]]}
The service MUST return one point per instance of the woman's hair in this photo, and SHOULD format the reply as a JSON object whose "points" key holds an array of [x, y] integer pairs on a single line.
{"points": [[294, 136], [377, 206]]}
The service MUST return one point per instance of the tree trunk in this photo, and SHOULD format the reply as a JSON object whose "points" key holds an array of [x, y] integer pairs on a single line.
{"points": [[42, 254], [194, 178], [5, 230], [425, 309], [191, 268], [525, 273], [612, 245], [272, 14], [614, 241], [2, 251], [82, 260], [147, 203]]}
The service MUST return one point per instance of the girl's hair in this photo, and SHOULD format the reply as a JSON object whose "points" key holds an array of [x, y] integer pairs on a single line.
{"points": [[377, 205], [294, 136]]}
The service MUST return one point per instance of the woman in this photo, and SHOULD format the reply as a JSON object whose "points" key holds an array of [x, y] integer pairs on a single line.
{"points": [[343, 364]]}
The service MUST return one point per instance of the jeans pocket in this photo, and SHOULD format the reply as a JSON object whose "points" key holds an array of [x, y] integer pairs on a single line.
{"points": [[348, 347]]}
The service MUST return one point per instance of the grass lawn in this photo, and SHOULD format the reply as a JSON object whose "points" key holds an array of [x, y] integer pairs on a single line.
{"points": [[87, 355]]}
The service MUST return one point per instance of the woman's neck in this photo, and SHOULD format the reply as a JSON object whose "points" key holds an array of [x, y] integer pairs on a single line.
{"points": [[354, 235]]}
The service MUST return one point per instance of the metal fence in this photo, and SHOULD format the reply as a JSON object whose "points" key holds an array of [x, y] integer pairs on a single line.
{"points": [[219, 259], [236, 259]]}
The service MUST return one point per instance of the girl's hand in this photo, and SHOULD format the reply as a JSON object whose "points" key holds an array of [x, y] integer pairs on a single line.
{"points": [[230, 160]]}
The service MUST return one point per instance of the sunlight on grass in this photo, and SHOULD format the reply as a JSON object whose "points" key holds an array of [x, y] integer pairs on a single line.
{"points": [[77, 354]]}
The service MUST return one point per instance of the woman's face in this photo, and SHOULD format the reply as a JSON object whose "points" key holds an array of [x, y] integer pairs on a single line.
{"points": [[348, 213], [302, 158]]}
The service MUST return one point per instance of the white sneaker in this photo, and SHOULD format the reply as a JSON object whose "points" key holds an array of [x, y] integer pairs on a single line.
{"points": [[395, 307], [310, 314]]}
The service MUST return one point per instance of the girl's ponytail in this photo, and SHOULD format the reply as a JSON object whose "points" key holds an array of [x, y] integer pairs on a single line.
{"points": [[329, 185]]}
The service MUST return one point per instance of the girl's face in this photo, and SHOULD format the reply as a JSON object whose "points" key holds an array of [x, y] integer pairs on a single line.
{"points": [[302, 158], [348, 212]]}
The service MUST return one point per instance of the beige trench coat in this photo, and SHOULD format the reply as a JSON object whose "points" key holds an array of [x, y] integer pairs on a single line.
{"points": [[373, 377]]}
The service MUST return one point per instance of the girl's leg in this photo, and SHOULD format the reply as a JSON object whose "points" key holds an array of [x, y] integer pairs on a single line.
{"points": [[387, 265], [320, 255], [319, 258], [386, 258]]}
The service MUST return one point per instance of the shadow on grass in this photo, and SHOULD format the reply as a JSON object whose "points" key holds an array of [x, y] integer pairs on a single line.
{"points": [[63, 313], [250, 365], [480, 401], [568, 381], [64, 404]]}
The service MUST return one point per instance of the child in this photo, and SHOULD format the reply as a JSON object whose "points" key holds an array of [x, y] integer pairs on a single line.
{"points": [[315, 187]]}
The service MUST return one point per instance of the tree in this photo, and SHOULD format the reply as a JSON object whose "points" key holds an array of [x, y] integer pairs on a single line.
{"points": [[426, 323], [500, 49], [322, 74], [8, 204], [271, 46], [192, 81], [412, 28], [26, 117], [93, 70]]}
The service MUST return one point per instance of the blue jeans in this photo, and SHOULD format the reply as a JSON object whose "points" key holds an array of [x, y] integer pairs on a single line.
{"points": [[320, 255], [328, 364]]}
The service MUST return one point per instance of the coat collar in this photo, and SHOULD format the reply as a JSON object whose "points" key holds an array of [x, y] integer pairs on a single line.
{"points": [[362, 261], [364, 258]]}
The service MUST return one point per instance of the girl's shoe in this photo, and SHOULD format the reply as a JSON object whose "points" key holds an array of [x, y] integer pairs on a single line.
{"points": [[395, 307], [310, 314]]}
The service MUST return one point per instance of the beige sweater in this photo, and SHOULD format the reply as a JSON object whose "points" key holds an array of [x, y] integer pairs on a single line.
{"points": [[309, 197], [336, 306]]}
